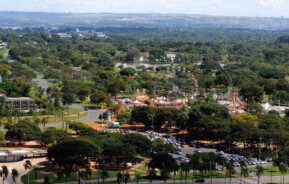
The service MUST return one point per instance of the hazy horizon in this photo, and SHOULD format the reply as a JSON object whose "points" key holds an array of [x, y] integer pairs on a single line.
{"points": [[235, 8]]}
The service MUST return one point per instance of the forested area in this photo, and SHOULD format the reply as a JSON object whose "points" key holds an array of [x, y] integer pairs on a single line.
{"points": [[246, 58]]}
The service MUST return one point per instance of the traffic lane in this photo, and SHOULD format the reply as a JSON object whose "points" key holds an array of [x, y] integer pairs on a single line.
{"points": [[93, 116]]}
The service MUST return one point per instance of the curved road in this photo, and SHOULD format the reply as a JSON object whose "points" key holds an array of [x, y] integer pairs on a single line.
{"points": [[90, 118]]}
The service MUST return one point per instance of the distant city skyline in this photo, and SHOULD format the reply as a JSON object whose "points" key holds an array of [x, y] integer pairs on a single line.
{"points": [[252, 8]]}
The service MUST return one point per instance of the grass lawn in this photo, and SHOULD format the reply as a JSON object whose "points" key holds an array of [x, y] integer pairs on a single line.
{"points": [[274, 170], [198, 175], [178, 177], [53, 177], [72, 116]]}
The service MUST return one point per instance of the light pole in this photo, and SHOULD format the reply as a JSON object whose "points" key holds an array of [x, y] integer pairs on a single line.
{"points": [[260, 150], [211, 173]]}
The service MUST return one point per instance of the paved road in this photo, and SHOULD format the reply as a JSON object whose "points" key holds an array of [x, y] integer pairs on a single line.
{"points": [[92, 116], [251, 180], [20, 168]]}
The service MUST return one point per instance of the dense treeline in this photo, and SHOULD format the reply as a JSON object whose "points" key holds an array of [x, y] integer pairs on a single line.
{"points": [[81, 66]]}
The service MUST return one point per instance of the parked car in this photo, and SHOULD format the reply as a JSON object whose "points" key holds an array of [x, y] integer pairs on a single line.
{"points": [[200, 180]]}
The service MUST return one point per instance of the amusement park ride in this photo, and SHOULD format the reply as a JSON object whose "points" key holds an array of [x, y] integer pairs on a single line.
{"points": [[230, 100], [236, 100]]}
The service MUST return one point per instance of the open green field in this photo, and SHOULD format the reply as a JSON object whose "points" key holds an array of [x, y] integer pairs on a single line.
{"points": [[268, 170], [73, 115]]}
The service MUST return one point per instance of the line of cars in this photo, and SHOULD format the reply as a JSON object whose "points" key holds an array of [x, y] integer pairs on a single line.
{"points": [[238, 159]]}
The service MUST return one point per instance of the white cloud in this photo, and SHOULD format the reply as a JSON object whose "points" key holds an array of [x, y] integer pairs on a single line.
{"points": [[267, 3]]}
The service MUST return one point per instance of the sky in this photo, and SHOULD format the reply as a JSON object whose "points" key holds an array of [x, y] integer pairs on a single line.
{"points": [[262, 8]]}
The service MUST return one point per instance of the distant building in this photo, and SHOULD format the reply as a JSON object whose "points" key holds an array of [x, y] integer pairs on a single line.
{"points": [[171, 55], [3, 44], [101, 35], [64, 35], [18, 103]]}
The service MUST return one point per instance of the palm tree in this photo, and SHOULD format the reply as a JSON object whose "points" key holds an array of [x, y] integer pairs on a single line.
{"points": [[60, 175], [137, 177], [61, 114], [119, 177], [46, 180], [14, 174], [126, 177], [230, 169], [4, 173], [181, 173], [104, 174], [283, 168], [151, 174], [88, 172], [185, 167], [81, 175], [259, 172], [27, 165], [244, 170], [1, 122]]}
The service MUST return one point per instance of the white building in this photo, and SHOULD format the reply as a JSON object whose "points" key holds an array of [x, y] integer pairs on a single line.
{"points": [[12, 155]]}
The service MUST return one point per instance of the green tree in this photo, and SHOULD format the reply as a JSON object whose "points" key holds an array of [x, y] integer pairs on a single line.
{"points": [[4, 172], [14, 174], [46, 180], [126, 177], [23, 131], [127, 71], [185, 167], [251, 92], [230, 169], [244, 170], [259, 172], [83, 93], [73, 152], [151, 174], [141, 143], [131, 55], [27, 165], [145, 115], [137, 177], [164, 162], [104, 175], [2, 137], [254, 108], [99, 97], [283, 168], [60, 175], [52, 135]]}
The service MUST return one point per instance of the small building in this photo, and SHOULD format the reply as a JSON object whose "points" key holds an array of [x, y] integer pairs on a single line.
{"points": [[18, 103], [12, 155]]}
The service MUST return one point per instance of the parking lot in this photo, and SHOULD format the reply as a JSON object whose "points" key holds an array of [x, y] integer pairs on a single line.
{"points": [[183, 149]]}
